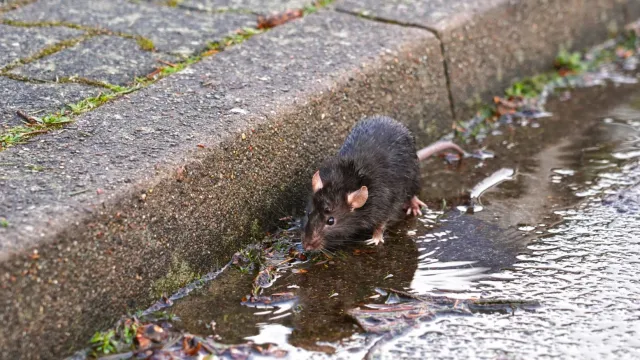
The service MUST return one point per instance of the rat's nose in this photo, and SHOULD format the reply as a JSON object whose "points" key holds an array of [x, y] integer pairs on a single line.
{"points": [[311, 245], [315, 243]]}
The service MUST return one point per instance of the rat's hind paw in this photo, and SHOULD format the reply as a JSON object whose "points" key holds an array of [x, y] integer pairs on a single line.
{"points": [[414, 206]]}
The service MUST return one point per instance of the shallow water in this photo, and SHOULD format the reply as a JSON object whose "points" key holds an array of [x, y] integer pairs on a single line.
{"points": [[563, 231]]}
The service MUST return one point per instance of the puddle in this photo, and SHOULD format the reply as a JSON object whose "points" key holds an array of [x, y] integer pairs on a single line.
{"points": [[540, 208], [550, 220]]}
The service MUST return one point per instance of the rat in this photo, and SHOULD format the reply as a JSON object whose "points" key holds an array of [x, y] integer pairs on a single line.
{"points": [[371, 184]]}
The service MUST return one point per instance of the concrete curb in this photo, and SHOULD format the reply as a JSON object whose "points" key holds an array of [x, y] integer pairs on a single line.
{"points": [[487, 44], [183, 173]]}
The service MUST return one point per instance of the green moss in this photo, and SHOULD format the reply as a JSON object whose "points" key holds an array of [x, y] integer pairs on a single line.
{"points": [[179, 275], [145, 44], [14, 5], [93, 102], [19, 134], [570, 61], [104, 343], [173, 3], [316, 5], [49, 50], [4, 223], [45, 24], [566, 64], [234, 39], [531, 86], [33, 167]]}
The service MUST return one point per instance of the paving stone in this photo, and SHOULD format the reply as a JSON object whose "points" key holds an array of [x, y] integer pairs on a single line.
{"points": [[110, 59], [490, 43], [172, 30], [37, 98], [256, 6], [300, 88], [19, 42]]}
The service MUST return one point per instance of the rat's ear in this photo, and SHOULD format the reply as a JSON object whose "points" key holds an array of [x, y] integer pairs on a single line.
{"points": [[316, 182], [357, 198]]}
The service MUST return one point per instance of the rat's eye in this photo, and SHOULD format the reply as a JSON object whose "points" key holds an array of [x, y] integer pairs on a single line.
{"points": [[331, 221]]}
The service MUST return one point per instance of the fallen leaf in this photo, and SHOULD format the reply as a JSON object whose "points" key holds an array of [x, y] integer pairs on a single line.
{"points": [[153, 74], [152, 332], [564, 72], [363, 251], [142, 341], [189, 349], [267, 22], [211, 52], [624, 53]]}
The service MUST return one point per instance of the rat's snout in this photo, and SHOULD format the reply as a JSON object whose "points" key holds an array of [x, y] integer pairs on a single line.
{"points": [[312, 242]]}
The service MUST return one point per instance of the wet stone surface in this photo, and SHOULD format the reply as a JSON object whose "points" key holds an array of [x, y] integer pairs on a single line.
{"points": [[171, 30], [109, 59], [19, 43], [37, 99]]}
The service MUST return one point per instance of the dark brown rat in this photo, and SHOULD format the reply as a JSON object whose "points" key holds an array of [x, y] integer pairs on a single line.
{"points": [[367, 185]]}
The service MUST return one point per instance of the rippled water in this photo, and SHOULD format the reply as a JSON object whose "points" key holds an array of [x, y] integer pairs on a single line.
{"points": [[585, 270]]}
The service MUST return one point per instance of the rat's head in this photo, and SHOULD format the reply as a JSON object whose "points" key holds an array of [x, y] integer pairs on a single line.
{"points": [[331, 216]]}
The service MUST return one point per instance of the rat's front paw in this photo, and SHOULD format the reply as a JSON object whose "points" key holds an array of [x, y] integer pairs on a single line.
{"points": [[375, 241]]}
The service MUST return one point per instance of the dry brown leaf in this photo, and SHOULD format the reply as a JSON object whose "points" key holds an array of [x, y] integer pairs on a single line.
{"points": [[267, 22], [188, 348]]}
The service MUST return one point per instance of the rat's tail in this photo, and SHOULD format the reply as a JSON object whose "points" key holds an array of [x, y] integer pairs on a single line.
{"points": [[437, 147]]}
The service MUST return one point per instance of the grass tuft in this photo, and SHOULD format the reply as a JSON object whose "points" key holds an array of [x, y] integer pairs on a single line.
{"points": [[145, 44]]}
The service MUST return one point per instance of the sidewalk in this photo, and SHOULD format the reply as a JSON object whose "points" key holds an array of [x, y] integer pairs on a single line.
{"points": [[136, 176]]}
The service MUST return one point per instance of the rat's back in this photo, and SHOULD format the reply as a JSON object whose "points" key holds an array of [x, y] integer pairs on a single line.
{"points": [[379, 136], [383, 154]]}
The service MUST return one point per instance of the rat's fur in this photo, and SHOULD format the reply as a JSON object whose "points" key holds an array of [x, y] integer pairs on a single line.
{"points": [[380, 154]]}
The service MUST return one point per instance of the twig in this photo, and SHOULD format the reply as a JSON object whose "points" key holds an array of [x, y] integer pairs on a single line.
{"points": [[154, 73], [167, 63], [78, 192], [30, 119], [36, 132], [284, 261]]}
